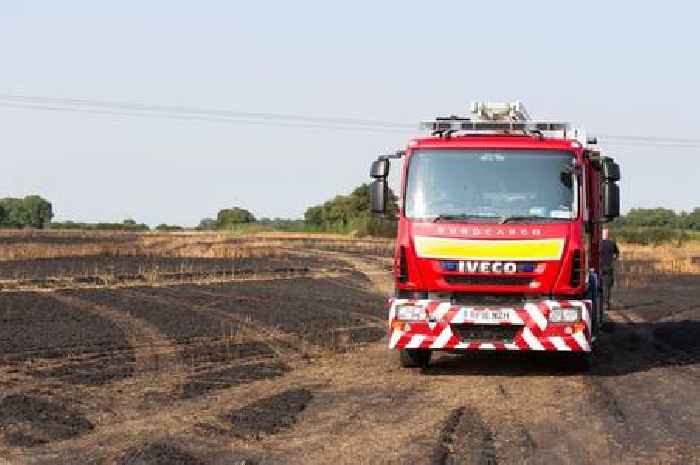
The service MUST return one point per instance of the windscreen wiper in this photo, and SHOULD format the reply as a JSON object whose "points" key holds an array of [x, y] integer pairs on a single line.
{"points": [[446, 217], [508, 219]]}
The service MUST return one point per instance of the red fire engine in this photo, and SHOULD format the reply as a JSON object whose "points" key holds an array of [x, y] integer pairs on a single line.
{"points": [[499, 232]]}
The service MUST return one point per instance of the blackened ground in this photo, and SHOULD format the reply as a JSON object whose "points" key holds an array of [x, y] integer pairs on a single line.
{"points": [[94, 370], [208, 381], [175, 320], [212, 352], [158, 453], [57, 238], [313, 309], [27, 421], [268, 415], [34, 325], [133, 267]]}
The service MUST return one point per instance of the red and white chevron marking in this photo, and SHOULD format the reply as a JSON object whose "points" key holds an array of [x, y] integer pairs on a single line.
{"points": [[534, 332]]}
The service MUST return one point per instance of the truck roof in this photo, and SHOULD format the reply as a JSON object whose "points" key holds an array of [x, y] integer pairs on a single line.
{"points": [[494, 141]]}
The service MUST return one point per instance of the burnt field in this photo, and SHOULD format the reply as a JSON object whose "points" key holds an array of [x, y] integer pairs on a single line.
{"points": [[287, 363]]}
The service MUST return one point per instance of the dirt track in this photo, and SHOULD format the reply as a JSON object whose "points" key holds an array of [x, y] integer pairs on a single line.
{"points": [[296, 371]]}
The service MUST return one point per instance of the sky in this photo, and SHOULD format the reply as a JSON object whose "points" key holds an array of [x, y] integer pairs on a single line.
{"points": [[616, 68]]}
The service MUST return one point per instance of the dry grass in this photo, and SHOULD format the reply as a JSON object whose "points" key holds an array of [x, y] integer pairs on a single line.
{"points": [[664, 258], [28, 245], [640, 266]]}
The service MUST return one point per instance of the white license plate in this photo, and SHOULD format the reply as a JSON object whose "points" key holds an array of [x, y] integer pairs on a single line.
{"points": [[493, 316]]}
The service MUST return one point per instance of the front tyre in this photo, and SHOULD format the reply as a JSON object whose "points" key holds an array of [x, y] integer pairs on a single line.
{"points": [[581, 362], [411, 358]]}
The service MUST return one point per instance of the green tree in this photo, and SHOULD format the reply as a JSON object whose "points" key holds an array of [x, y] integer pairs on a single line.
{"points": [[314, 216], [32, 211], [39, 211], [651, 217], [352, 212], [232, 216]]}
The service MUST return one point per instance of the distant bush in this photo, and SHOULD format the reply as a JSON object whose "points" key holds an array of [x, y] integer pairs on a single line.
{"points": [[229, 217], [169, 228]]}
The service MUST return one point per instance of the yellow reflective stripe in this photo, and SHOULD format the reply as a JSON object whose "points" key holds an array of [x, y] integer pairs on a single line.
{"points": [[506, 249]]}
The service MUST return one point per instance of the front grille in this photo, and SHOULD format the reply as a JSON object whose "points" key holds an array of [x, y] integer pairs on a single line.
{"points": [[485, 333], [489, 300], [488, 280]]}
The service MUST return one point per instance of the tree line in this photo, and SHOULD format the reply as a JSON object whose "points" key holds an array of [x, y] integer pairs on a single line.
{"points": [[662, 218], [341, 214], [650, 226]]}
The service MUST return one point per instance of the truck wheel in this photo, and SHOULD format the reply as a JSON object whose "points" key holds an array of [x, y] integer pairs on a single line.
{"points": [[582, 362], [415, 358], [595, 294]]}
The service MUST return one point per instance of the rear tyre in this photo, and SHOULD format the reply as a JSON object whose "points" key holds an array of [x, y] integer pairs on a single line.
{"points": [[411, 358]]}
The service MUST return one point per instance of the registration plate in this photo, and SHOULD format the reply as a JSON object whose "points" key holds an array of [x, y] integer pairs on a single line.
{"points": [[485, 333], [488, 316]]}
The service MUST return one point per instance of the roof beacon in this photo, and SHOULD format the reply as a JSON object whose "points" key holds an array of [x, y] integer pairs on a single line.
{"points": [[488, 111]]}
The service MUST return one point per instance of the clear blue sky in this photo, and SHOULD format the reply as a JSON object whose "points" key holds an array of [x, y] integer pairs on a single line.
{"points": [[618, 68]]}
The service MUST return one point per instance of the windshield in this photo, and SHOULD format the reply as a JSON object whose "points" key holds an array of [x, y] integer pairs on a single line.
{"points": [[500, 184]]}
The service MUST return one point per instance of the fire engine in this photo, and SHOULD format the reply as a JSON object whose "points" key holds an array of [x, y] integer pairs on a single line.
{"points": [[499, 234]]}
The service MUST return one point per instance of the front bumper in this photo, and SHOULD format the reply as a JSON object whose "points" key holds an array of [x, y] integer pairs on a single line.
{"points": [[528, 328]]}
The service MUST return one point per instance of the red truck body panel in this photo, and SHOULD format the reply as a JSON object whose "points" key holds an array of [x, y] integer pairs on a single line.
{"points": [[427, 275]]}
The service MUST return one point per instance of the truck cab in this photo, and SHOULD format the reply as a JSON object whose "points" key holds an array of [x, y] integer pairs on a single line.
{"points": [[498, 236]]}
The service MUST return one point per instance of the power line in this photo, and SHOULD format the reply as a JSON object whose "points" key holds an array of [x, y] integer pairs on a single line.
{"points": [[171, 109], [128, 109], [185, 117]]}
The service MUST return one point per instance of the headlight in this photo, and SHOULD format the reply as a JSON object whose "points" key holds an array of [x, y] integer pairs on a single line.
{"points": [[564, 315], [410, 313]]}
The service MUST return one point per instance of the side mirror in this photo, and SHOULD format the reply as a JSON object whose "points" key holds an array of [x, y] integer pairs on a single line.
{"points": [[610, 170], [380, 169], [611, 200], [378, 194]]}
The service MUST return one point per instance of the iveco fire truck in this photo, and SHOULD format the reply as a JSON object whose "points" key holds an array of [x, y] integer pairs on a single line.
{"points": [[499, 232]]}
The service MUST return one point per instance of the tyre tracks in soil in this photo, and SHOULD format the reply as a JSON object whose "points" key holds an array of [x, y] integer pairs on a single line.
{"points": [[505, 419], [550, 417], [286, 346], [158, 370], [607, 416], [377, 273]]}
